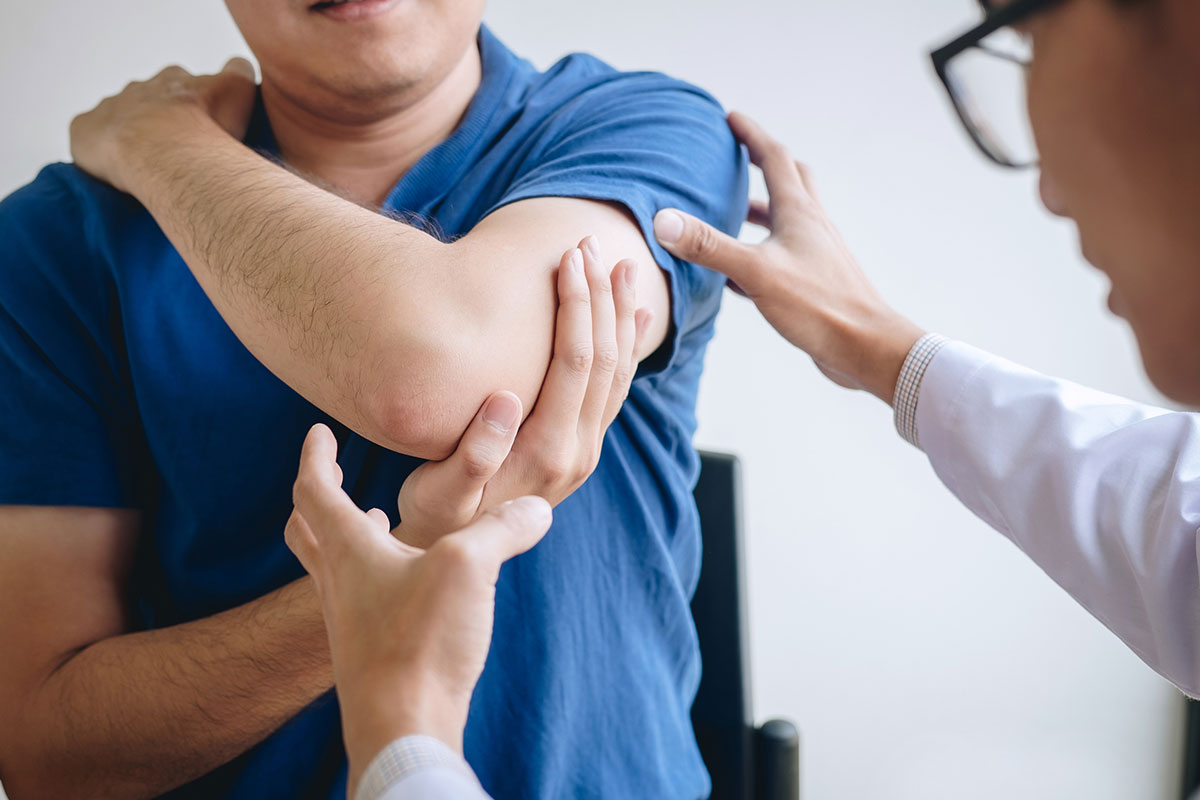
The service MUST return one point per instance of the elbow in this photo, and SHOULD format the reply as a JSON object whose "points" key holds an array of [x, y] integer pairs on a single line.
{"points": [[421, 404], [425, 391], [409, 394], [413, 425]]}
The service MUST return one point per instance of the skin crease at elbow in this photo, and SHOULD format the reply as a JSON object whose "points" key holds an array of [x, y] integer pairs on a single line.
{"points": [[1116, 129]]}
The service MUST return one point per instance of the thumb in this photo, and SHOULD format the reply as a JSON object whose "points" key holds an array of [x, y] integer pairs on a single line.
{"points": [[240, 67], [230, 95], [692, 240], [508, 530], [459, 480]]}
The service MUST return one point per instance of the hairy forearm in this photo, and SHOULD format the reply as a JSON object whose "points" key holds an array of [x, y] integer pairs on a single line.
{"points": [[314, 285], [137, 715]]}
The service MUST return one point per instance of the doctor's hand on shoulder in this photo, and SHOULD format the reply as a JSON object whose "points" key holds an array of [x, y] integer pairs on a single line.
{"points": [[803, 278]]}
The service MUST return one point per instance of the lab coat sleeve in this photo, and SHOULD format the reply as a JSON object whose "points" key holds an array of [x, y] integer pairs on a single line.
{"points": [[419, 768], [436, 783], [1102, 493]]}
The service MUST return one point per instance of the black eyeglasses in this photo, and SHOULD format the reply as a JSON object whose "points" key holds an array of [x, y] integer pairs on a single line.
{"points": [[984, 71]]}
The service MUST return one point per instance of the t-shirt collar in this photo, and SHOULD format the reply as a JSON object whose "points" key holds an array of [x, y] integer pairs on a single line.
{"points": [[498, 65]]}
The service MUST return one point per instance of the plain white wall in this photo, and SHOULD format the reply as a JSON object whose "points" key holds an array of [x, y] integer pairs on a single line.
{"points": [[921, 654]]}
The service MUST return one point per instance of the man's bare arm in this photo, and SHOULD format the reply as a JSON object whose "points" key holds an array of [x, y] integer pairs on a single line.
{"points": [[90, 710], [389, 330]]}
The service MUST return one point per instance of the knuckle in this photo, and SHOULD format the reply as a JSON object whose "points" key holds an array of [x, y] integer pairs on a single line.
{"points": [[605, 358], [704, 241], [479, 464], [778, 150], [556, 465], [304, 487], [622, 377], [289, 530], [579, 359]]}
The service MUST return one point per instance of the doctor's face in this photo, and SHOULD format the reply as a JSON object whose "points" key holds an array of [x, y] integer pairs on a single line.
{"points": [[356, 59], [1114, 97]]}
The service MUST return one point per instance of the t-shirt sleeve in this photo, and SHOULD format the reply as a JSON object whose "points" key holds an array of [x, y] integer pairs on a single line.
{"points": [[646, 142], [68, 434]]}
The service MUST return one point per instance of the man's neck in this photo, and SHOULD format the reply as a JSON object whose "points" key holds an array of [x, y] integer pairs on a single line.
{"points": [[364, 160]]}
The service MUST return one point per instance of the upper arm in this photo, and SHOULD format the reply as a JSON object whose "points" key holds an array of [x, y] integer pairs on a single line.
{"points": [[63, 571], [1102, 493], [614, 156], [494, 328], [71, 452]]}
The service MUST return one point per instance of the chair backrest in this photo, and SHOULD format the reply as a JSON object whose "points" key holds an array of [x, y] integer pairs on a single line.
{"points": [[722, 714]]}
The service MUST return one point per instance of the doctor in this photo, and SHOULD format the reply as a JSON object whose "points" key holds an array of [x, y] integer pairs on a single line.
{"points": [[1103, 493]]}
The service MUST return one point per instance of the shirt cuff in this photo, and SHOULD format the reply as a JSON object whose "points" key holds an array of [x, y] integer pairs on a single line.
{"points": [[408, 756], [908, 386]]}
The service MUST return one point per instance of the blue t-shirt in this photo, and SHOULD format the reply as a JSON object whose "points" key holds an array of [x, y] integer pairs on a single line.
{"points": [[123, 387]]}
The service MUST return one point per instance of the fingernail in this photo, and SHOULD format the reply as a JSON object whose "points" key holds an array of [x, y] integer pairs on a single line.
{"points": [[668, 226], [576, 260], [631, 272], [503, 412], [593, 246]]}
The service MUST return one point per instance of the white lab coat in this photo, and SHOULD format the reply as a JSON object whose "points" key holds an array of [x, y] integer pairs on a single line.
{"points": [[1102, 493]]}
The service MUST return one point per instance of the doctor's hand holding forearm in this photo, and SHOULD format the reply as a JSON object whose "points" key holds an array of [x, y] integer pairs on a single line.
{"points": [[1101, 492], [409, 611], [409, 629]]}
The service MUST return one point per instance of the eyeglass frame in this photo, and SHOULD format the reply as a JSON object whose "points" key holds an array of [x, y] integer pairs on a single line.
{"points": [[996, 19]]}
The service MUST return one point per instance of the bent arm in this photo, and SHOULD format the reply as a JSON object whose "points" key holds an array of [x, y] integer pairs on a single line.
{"points": [[87, 709], [389, 330], [1103, 494]]}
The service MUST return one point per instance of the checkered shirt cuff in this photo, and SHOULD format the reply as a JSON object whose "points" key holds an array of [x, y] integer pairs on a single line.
{"points": [[908, 387], [404, 757]]}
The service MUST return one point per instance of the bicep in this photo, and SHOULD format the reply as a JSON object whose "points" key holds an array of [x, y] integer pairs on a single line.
{"points": [[530, 236], [63, 571], [495, 329]]}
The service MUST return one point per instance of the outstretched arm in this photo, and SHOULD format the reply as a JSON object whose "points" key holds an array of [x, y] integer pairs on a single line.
{"points": [[397, 334], [1100, 492]]}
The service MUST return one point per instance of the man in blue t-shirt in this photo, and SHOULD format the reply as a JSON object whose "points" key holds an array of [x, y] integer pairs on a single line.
{"points": [[167, 342]]}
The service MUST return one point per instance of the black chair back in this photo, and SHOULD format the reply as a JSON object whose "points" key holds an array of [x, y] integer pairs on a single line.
{"points": [[745, 762]]}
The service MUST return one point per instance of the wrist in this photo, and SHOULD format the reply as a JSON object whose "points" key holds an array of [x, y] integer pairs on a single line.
{"points": [[376, 712], [876, 344], [142, 148]]}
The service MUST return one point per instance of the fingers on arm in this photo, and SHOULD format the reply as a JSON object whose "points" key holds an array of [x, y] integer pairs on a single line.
{"points": [[606, 352], [458, 481], [566, 381], [759, 213], [784, 183], [629, 336], [698, 242]]}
